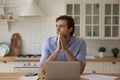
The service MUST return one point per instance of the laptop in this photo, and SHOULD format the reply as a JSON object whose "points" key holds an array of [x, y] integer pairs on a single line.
{"points": [[62, 70]]}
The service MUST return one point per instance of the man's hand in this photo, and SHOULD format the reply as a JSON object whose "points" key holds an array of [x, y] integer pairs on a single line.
{"points": [[58, 44], [63, 42]]}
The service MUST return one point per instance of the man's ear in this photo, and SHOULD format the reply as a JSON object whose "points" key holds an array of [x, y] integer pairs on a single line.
{"points": [[70, 29]]}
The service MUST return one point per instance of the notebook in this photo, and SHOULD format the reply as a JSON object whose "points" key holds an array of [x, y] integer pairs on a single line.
{"points": [[62, 70]]}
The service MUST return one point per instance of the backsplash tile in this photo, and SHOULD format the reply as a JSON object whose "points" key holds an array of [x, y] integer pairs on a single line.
{"points": [[93, 45]]}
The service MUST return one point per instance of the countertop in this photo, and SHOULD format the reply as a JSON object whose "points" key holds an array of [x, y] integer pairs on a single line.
{"points": [[14, 58], [16, 76], [105, 59]]}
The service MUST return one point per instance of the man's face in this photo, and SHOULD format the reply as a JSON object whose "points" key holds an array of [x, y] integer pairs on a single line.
{"points": [[62, 28]]}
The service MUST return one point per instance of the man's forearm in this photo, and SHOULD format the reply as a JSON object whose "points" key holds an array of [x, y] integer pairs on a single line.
{"points": [[53, 56], [82, 67], [50, 58], [69, 55], [72, 58]]}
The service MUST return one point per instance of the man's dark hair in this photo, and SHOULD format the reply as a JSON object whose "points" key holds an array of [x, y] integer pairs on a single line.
{"points": [[70, 22]]}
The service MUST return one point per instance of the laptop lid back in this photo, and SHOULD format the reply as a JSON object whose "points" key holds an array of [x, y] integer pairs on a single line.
{"points": [[62, 70]]}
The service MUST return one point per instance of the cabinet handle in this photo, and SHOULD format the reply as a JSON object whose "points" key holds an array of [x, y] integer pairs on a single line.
{"points": [[24, 65], [34, 65], [29, 64]]}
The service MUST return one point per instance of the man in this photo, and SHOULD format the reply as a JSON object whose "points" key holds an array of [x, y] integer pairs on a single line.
{"points": [[64, 46]]}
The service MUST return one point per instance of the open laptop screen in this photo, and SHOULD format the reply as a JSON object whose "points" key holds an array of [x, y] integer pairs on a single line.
{"points": [[62, 70]]}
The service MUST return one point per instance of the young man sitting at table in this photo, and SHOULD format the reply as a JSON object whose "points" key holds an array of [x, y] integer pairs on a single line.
{"points": [[64, 46]]}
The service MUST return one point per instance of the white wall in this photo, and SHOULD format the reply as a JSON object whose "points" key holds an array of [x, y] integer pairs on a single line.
{"points": [[34, 30]]}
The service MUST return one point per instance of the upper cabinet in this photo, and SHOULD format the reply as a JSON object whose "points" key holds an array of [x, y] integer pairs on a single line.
{"points": [[111, 20], [92, 20], [95, 19], [74, 10]]}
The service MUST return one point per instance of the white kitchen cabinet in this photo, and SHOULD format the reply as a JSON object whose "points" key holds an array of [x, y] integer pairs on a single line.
{"points": [[102, 67], [6, 66], [92, 20], [94, 67], [74, 10], [112, 67], [111, 20], [20, 66], [95, 19]]}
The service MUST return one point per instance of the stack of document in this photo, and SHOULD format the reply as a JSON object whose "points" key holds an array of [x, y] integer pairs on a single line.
{"points": [[99, 77], [29, 78]]}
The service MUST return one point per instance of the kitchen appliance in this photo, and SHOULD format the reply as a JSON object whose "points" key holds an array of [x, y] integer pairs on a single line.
{"points": [[30, 8], [27, 66], [29, 56]]}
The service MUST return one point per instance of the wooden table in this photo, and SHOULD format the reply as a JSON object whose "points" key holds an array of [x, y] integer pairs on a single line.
{"points": [[16, 76]]}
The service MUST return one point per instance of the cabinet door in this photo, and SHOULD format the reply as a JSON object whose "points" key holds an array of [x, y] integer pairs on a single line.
{"points": [[94, 67], [92, 20], [75, 11], [6, 67], [111, 20], [112, 67]]}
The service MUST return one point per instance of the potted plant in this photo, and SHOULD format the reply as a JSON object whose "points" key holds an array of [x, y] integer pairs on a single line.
{"points": [[115, 52], [101, 51]]}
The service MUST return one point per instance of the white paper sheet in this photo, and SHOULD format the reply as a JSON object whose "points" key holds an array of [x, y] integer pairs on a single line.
{"points": [[99, 77], [29, 78]]}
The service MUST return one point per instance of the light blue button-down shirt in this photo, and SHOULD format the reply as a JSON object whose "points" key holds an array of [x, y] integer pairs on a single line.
{"points": [[76, 46]]}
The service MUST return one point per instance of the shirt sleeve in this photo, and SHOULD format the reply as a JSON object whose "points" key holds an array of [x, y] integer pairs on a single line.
{"points": [[45, 51], [82, 53]]}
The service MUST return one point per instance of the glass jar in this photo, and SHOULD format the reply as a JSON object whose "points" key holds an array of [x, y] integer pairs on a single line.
{"points": [[9, 16]]}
